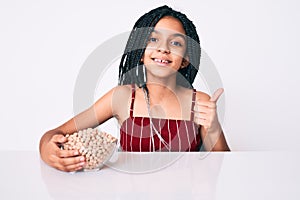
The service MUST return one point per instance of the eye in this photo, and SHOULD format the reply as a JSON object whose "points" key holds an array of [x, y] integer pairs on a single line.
{"points": [[176, 43], [153, 39]]}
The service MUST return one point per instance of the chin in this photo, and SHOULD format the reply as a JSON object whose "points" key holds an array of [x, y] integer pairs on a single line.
{"points": [[160, 72]]}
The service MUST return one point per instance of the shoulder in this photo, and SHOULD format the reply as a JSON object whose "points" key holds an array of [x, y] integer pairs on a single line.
{"points": [[122, 89], [116, 94], [118, 100], [120, 94], [199, 94]]}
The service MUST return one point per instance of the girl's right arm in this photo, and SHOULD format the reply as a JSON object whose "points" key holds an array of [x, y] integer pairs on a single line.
{"points": [[51, 141]]}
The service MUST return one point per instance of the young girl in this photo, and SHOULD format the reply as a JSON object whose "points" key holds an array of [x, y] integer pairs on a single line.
{"points": [[155, 103]]}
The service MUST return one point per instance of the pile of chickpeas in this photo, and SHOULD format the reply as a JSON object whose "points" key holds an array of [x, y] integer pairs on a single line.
{"points": [[96, 146]]}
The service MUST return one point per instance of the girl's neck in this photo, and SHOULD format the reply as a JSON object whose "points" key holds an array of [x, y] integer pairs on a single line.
{"points": [[159, 91], [160, 88], [161, 84]]}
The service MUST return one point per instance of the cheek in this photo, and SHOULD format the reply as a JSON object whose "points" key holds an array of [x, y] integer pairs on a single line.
{"points": [[178, 52], [146, 58], [178, 59], [147, 53]]}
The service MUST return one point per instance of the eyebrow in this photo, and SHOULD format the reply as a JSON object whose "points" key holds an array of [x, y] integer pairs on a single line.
{"points": [[174, 35]]}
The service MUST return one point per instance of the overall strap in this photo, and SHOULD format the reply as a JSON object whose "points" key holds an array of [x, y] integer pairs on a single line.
{"points": [[132, 99], [193, 104]]}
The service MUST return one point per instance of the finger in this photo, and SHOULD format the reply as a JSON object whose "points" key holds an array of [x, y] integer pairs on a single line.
{"points": [[67, 153], [75, 167], [71, 160], [204, 109], [210, 104], [216, 95], [71, 168], [201, 116], [59, 138], [201, 122], [68, 164]]}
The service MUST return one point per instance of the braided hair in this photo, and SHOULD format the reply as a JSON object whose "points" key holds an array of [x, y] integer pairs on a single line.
{"points": [[131, 69]]}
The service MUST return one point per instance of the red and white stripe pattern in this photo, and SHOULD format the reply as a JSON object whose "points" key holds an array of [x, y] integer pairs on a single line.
{"points": [[180, 135]]}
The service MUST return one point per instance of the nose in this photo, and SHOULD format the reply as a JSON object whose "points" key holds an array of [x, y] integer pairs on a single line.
{"points": [[163, 48]]}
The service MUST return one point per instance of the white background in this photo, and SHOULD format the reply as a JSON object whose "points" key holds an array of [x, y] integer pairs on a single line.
{"points": [[254, 45]]}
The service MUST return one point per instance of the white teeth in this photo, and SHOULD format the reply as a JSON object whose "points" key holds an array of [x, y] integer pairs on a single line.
{"points": [[162, 61]]}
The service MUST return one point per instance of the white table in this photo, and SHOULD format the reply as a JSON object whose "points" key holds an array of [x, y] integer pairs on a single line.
{"points": [[231, 175]]}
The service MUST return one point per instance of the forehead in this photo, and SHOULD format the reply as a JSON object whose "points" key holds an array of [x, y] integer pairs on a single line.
{"points": [[170, 24]]}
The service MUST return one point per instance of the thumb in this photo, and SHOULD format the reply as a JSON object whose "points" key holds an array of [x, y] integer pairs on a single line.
{"points": [[216, 95], [59, 138]]}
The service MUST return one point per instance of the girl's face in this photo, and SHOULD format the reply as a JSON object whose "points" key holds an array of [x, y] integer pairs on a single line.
{"points": [[165, 51]]}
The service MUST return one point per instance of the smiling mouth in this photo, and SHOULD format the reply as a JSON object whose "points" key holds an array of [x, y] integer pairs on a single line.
{"points": [[161, 61]]}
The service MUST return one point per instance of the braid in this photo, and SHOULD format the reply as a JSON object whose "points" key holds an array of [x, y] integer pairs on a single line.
{"points": [[130, 68]]}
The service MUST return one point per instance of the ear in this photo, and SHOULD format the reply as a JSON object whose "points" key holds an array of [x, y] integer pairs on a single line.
{"points": [[185, 61]]}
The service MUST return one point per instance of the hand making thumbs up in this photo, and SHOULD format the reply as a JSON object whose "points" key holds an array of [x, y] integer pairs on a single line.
{"points": [[205, 112]]}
